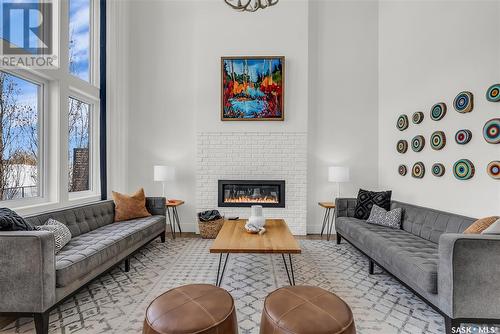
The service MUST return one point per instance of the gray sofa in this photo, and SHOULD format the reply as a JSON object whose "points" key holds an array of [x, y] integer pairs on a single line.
{"points": [[34, 279], [457, 274]]}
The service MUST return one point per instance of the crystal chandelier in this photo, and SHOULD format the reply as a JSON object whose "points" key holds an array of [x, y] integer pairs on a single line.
{"points": [[250, 5]]}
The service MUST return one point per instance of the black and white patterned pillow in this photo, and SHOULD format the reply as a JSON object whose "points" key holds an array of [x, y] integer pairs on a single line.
{"points": [[380, 216], [366, 200], [62, 234]]}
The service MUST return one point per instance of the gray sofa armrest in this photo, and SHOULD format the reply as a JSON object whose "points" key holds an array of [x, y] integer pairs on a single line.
{"points": [[156, 205], [27, 271], [344, 207], [468, 275]]}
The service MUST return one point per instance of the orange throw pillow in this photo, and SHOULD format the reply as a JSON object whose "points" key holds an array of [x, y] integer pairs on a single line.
{"points": [[480, 225], [130, 207]]}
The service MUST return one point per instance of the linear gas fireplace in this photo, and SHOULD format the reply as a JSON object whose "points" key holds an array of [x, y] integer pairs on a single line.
{"points": [[243, 193]]}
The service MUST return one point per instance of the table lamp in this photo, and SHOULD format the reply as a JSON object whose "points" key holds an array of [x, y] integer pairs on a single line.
{"points": [[164, 174], [338, 175]]}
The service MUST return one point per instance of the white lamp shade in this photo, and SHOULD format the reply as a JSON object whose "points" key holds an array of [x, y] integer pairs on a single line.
{"points": [[338, 174], [164, 173]]}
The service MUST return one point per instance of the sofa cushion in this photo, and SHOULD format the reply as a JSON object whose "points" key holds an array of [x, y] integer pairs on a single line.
{"points": [[380, 216], [429, 223], [366, 199], [80, 219], [408, 257], [88, 251], [130, 206]]}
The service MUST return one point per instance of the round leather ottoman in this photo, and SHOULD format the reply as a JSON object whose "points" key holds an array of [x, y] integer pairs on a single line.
{"points": [[195, 308], [305, 310]]}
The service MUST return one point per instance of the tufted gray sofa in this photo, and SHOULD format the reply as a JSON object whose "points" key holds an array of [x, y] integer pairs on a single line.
{"points": [[34, 279], [457, 274]]}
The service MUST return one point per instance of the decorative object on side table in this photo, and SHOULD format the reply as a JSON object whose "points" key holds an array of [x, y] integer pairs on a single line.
{"points": [[463, 136], [338, 175], [173, 217], [210, 223], [417, 117], [493, 169], [438, 140], [491, 131], [256, 221], [252, 88], [463, 169], [327, 218], [402, 123], [493, 93], [164, 174], [418, 170], [418, 143], [464, 102], [438, 111], [402, 146]]}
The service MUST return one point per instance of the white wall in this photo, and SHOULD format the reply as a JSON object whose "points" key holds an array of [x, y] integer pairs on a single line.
{"points": [[429, 52], [343, 99]]}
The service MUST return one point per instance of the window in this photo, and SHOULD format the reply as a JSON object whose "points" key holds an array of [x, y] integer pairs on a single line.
{"points": [[49, 117], [79, 146], [79, 38], [19, 140]]}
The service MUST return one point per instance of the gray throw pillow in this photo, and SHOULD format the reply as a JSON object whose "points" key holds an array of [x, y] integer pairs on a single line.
{"points": [[381, 216], [493, 228], [62, 234]]}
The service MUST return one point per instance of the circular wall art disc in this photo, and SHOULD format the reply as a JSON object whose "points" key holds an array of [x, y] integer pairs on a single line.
{"points": [[438, 111], [418, 170], [493, 93], [418, 143], [438, 140], [493, 169], [402, 170], [417, 117], [463, 102], [438, 169], [491, 131], [402, 146], [463, 136], [402, 123], [463, 169]]}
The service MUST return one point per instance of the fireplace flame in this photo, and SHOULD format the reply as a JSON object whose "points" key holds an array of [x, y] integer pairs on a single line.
{"points": [[250, 199]]}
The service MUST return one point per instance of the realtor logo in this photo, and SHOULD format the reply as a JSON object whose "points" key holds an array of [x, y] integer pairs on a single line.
{"points": [[27, 35]]}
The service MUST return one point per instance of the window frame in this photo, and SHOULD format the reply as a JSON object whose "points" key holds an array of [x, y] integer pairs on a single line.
{"points": [[42, 104], [58, 85], [94, 174]]}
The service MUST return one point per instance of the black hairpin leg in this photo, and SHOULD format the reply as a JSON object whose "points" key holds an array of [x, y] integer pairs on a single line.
{"points": [[172, 226], [331, 225], [176, 216], [325, 219], [218, 280], [291, 279]]}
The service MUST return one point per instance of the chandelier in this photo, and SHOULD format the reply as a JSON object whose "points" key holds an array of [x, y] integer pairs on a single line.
{"points": [[250, 5]]}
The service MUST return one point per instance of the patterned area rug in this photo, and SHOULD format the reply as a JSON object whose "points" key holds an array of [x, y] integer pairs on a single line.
{"points": [[116, 302]]}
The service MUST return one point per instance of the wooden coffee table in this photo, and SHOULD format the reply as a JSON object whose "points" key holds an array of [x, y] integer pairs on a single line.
{"points": [[233, 238]]}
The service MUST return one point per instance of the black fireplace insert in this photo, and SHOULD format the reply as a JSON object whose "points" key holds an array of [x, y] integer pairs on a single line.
{"points": [[245, 193]]}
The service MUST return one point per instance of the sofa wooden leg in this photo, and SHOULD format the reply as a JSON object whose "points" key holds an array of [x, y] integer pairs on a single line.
{"points": [[42, 322], [371, 266], [127, 264], [339, 238], [449, 324], [163, 237]]}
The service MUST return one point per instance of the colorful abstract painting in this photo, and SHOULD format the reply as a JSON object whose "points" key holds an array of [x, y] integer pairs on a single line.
{"points": [[253, 88]]}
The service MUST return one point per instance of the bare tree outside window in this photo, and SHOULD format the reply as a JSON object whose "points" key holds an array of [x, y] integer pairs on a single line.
{"points": [[78, 144], [19, 145]]}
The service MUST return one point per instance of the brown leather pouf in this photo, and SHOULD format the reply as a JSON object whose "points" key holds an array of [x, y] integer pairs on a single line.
{"points": [[305, 310], [195, 308]]}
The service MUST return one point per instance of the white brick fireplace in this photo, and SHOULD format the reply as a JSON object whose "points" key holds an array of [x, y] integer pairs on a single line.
{"points": [[254, 156]]}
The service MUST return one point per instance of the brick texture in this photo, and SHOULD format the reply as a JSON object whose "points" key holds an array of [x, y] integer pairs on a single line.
{"points": [[252, 156]]}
